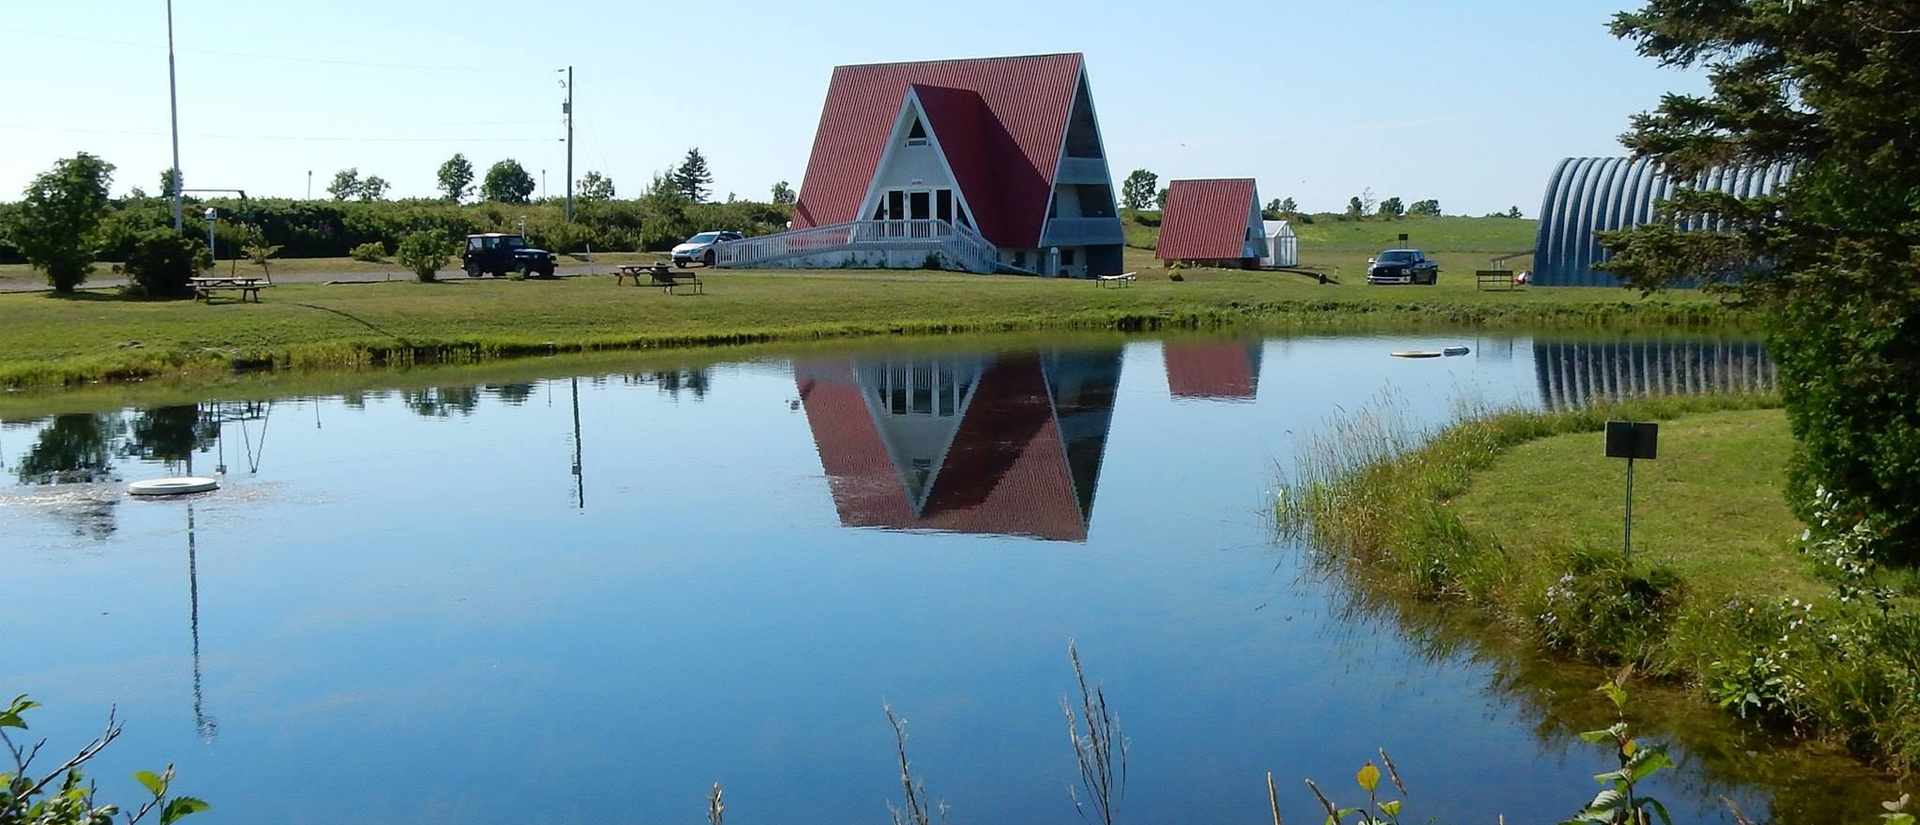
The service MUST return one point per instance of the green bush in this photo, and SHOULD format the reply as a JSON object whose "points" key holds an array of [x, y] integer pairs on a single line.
{"points": [[425, 253], [63, 796], [161, 262], [372, 252]]}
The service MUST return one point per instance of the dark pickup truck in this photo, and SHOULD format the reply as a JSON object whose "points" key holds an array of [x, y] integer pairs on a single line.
{"points": [[1402, 266]]}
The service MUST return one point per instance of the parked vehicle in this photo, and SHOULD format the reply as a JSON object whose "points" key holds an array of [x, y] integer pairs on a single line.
{"points": [[699, 248], [497, 254], [1402, 266]]}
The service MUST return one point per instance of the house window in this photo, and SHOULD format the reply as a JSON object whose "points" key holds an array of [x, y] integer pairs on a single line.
{"points": [[943, 205], [1020, 259], [1066, 257], [916, 134], [961, 213]]}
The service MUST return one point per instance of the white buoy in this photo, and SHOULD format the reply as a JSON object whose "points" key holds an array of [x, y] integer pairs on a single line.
{"points": [[172, 486]]}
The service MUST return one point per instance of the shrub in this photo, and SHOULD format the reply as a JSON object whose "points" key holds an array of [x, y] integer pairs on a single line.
{"points": [[372, 252], [425, 253], [161, 262]]}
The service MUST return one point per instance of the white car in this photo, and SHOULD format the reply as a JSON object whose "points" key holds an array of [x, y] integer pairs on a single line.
{"points": [[699, 248]]}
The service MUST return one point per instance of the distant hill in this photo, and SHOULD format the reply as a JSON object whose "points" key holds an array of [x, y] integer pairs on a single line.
{"points": [[1329, 233]]}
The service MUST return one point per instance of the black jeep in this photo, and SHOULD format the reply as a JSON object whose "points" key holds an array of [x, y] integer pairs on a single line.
{"points": [[499, 254]]}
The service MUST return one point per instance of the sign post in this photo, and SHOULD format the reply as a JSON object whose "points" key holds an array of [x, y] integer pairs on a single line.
{"points": [[1631, 440]]}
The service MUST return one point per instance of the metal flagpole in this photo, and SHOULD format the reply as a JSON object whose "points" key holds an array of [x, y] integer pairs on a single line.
{"points": [[569, 144]]}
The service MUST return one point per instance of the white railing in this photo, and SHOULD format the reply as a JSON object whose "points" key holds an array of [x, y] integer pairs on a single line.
{"points": [[963, 246]]}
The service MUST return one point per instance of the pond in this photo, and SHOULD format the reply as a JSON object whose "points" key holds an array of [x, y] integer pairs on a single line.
{"points": [[576, 592]]}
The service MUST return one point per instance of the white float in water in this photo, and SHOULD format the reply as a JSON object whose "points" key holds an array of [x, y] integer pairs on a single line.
{"points": [[1416, 353], [172, 486]]}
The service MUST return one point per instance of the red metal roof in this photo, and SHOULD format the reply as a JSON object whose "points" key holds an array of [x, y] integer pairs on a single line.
{"points": [[1212, 369], [1206, 219], [1006, 135], [1005, 473]]}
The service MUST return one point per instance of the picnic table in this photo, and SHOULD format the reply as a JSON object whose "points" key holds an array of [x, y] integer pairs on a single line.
{"points": [[204, 287], [659, 275], [1123, 279]]}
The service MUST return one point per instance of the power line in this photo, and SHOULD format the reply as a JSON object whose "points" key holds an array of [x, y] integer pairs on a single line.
{"points": [[317, 138], [286, 58]]}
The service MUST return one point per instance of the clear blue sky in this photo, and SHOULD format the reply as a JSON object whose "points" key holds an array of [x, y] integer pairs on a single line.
{"points": [[1470, 102]]}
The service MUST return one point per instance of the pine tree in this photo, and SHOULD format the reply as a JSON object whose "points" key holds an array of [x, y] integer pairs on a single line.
{"points": [[692, 178]]}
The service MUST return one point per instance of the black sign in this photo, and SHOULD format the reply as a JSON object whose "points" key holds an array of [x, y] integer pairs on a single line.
{"points": [[1403, 239], [1633, 439]]}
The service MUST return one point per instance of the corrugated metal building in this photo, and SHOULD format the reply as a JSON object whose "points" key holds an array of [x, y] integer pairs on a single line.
{"points": [[1574, 374], [1586, 196], [1215, 221]]}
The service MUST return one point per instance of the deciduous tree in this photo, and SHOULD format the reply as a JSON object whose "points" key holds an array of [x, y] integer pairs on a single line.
{"points": [[1427, 208], [1391, 208], [783, 194], [507, 182], [346, 184], [594, 186], [456, 177], [56, 225], [1139, 190]]}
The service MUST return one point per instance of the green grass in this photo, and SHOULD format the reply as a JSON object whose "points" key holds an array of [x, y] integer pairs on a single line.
{"points": [[1721, 469], [1512, 519], [1328, 235], [51, 339]]}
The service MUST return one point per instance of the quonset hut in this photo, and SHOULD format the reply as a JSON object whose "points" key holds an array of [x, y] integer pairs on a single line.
{"points": [[1586, 196]]}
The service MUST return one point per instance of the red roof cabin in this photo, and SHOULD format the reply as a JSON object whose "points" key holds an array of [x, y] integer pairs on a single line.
{"points": [[988, 165], [1212, 223]]}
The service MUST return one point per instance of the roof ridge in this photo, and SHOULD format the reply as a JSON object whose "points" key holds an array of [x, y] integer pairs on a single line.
{"points": [[1206, 180], [1081, 55]]}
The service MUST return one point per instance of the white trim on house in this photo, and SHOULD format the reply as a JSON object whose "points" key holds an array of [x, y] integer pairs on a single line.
{"points": [[896, 139]]}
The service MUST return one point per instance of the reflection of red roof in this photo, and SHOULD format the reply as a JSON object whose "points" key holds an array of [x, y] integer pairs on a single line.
{"points": [[1005, 473], [1212, 370], [1023, 105], [1206, 219]]}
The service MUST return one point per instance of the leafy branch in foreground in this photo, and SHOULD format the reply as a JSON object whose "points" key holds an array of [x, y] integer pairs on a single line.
{"points": [[1618, 802], [62, 796]]}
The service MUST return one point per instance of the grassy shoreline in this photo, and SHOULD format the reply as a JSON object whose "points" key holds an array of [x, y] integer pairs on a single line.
{"points": [[1747, 623], [51, 340]]}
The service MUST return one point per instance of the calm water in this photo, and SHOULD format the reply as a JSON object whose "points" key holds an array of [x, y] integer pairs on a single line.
{"points": [[584, 599]]}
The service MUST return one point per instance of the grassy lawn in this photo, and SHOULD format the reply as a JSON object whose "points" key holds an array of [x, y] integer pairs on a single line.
{"points": [[50, 339], [1710, 507], [1492, 236]]}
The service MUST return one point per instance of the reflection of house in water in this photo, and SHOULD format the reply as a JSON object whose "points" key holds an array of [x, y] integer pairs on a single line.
{"points": [[1003, 444], [1213, 370], [1576, 373]]}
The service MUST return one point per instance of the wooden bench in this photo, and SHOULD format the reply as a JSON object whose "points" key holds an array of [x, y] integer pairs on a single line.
{"points": [[660, 275], [204, 288], [1494, 279], [1123, 279]]}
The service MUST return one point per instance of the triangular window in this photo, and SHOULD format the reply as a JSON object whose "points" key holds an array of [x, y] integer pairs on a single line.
{"points": [[916, 134]]}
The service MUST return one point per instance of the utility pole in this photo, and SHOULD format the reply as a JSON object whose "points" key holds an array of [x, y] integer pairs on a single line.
{"points": [[173, 101], [567, 109], [309, 184]]}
